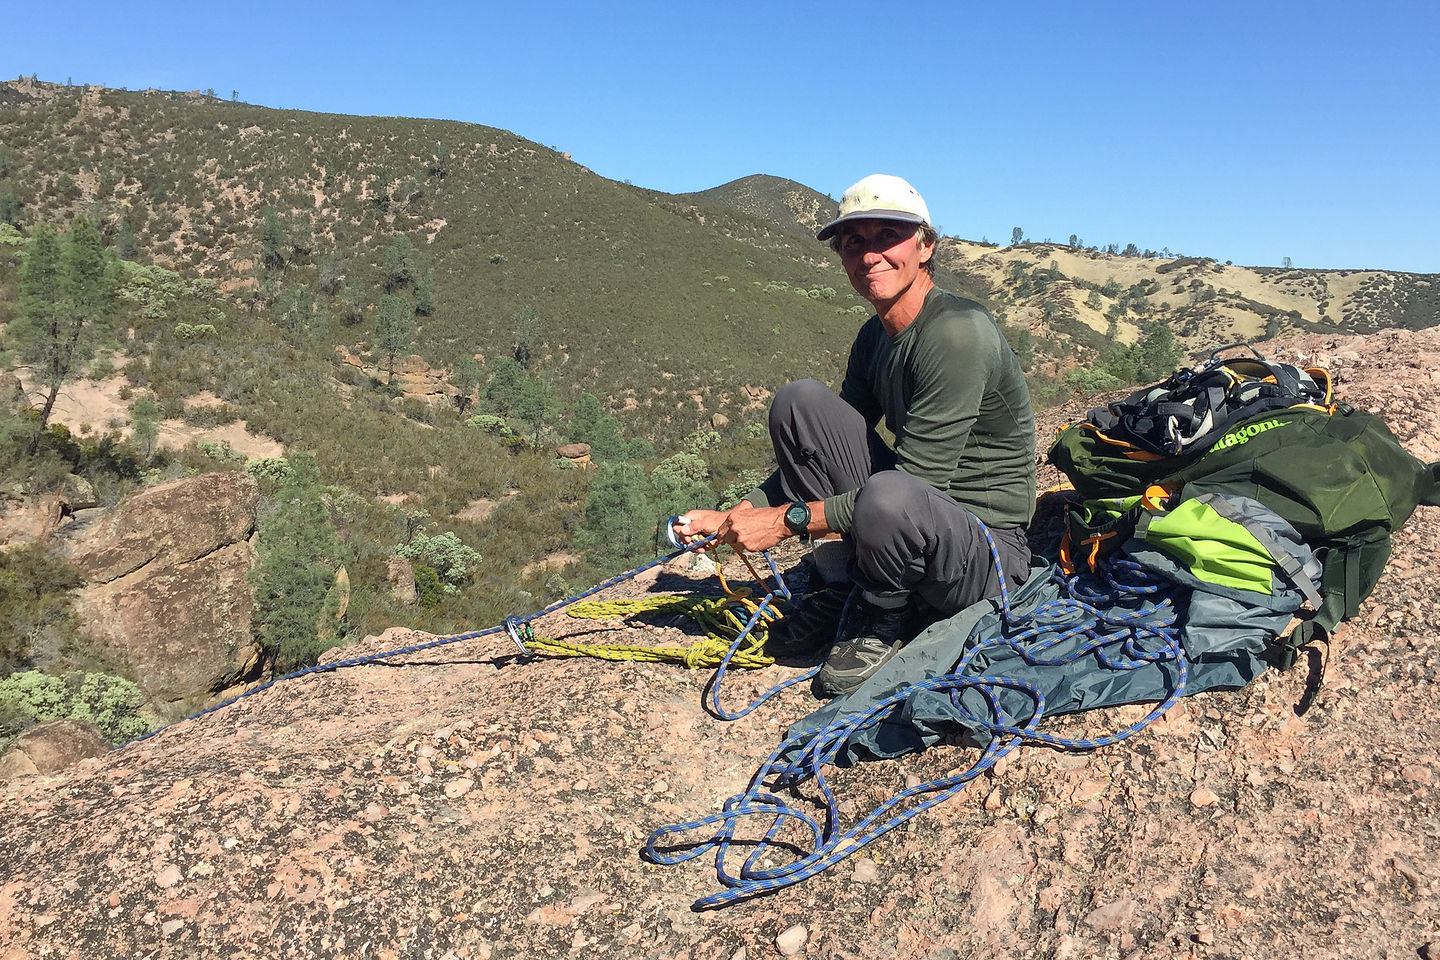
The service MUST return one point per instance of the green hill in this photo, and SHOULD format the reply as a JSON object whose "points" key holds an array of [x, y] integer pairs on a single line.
{"points": [[628, 284]]}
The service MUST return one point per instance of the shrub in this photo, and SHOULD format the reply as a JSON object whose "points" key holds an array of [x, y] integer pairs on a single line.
{"points": [[270, 473], [428, 587], [111, 703], [735, 491], [298, 554], [34, 601], [489, 423], [445, 554]]}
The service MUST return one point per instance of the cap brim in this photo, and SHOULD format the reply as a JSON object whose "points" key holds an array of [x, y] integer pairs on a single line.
{"points": [[904, 216]]}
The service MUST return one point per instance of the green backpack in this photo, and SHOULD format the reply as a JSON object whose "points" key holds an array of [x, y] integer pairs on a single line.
{"points": [[1341, 479]]}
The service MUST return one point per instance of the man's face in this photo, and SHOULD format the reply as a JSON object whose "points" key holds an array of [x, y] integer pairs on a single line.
{"points": [[882, 258]]}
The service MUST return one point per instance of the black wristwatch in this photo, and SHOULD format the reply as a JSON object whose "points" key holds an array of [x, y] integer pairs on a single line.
{"points": [[797, 518]]}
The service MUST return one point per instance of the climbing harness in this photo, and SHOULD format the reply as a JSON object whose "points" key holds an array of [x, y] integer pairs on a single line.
{"points": [[1128, 621]]}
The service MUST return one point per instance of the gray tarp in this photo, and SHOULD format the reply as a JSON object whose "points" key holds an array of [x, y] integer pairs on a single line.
{"points": [[1223, 634]]}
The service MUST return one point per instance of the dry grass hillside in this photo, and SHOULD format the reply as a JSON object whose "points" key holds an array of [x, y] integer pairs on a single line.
{"points": [[623, 278], [1048, 288]]}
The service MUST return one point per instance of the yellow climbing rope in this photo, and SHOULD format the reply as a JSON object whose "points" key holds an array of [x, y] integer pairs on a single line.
{"points": [[721, 617]]}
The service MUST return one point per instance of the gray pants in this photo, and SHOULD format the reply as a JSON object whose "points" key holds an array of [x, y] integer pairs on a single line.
{"points": [[906, 536]]}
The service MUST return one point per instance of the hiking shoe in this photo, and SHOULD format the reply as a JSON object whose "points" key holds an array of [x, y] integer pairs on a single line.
{"points": [[811, 624], [872, 636]]}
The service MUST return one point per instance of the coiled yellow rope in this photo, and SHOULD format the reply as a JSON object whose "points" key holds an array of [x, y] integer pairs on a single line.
{"points": [[721, 617]]}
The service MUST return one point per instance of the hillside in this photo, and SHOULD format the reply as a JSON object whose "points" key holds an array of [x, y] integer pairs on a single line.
{"points": [[1069, 304], [262, 251], [626, 283], [463, 803], [1205, 302], [790, 206]]}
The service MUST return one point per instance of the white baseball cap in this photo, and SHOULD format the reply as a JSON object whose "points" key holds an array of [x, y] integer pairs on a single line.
{"points": [[879, 197]]}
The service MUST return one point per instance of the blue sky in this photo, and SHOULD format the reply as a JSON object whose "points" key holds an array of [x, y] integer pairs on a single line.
{"points": [[1243, 131]]}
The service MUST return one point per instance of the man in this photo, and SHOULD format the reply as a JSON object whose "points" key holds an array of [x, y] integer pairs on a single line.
{"points": [[900, 522]]}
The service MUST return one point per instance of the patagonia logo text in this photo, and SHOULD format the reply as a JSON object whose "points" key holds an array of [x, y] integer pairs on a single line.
{"points": [[1244, 434]]}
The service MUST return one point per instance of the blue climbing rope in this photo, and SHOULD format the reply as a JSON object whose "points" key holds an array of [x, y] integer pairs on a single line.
{"points": [[1119, 637], [518, 628], [764, 610]]}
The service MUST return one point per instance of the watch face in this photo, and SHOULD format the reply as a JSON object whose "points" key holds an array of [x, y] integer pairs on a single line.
{"points": [[797, 517]]}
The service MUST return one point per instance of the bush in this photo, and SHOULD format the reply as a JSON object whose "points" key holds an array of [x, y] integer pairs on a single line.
{"points": [[34, 602], [111, 703], [211, 415], [735, 491], [298, 554], [428, 587], [445, 554], [619, 518], [490, 424], [680, 482], [270, 473]]}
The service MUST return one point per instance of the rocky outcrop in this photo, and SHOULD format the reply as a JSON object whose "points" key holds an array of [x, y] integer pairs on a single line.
{"points": [[576, 453], [400, 574], [49, 747], [461, 801], [413, 376], [166, 594]]}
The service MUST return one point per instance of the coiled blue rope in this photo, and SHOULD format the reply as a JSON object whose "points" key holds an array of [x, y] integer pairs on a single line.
{"points": [[1118, 637]]}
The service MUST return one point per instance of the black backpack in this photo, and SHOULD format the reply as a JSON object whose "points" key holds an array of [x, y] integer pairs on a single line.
{"points": [[1194, 407]]}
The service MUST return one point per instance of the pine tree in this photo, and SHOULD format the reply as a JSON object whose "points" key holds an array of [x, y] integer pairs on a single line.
{"points": [[617, 528], [272, 242], [465, 378], [424, 289], [397, 265], [11, 206], [125, 242], [527, 335], [503, 395], [298, 556], [394, 328], [67, 292], [591, 424], [145, 425]]}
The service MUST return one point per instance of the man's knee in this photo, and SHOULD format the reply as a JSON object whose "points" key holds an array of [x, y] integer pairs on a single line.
{"points": [[886, 500], [796, 396]]}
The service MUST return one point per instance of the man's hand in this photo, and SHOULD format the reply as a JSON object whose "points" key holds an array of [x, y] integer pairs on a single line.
{"points": [[754, 528], [696, 525], [745, 526]]}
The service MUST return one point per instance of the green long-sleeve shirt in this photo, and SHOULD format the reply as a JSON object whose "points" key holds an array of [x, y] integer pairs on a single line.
{"points": [[951, 391]]}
